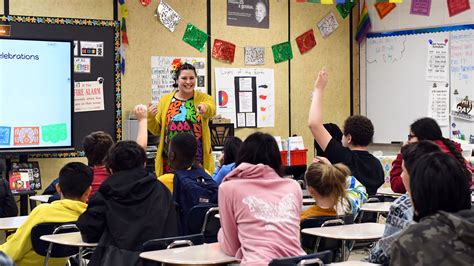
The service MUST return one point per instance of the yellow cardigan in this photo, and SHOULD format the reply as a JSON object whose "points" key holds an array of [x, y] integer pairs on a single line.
{"points": [[157, 128]]}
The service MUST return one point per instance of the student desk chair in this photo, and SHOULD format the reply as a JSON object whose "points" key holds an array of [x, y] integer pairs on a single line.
{"points": [[69, 239], [363, 231]]}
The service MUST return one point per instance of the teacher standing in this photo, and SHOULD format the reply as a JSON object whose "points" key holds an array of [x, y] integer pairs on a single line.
{"points": [[183, 110]]}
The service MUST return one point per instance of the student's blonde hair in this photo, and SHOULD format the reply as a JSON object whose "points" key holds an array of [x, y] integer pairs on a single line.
{"points": [[328, 180]]}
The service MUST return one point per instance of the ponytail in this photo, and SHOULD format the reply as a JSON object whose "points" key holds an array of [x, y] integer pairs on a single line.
{"points": [[328, 180]]}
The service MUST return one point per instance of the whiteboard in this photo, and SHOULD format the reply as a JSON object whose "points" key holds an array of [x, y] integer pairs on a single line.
{"points": [[398, 91]]}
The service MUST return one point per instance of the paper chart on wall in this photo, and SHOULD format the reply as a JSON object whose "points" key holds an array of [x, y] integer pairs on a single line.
{"points": [[438, 106], [89, 95], [246, 96], [438, 59], [161, 77]]}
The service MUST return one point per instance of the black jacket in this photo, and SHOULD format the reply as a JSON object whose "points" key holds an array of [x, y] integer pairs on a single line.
{"points": [[8, 206], [129, 208]]}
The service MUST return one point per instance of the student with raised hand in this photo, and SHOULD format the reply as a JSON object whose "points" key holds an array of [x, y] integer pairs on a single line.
{"points": [[425, 129], [334, 189], [227, 159], [183, 111], [444, 233], [357, 135], [259, 210], [74, 187], [129, 208], [401, 210]]}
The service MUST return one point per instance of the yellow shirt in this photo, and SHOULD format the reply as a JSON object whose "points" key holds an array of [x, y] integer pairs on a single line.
{"points": [[18, 245], [167, 179], [316, 211]]}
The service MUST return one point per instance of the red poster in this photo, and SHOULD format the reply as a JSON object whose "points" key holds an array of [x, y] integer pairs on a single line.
{"points": [[306, 41], [457, 6], [223, 50], [384, 8]]}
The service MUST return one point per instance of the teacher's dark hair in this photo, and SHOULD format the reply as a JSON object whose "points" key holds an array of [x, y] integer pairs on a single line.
{"points": [[184, 66]]}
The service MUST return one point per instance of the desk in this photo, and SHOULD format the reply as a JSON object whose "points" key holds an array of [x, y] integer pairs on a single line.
{"points": [[363, 231], [24, 195], [69, 239], [201, 254], [41, 198], [353, 263], [308, 201], [306, 194], [376, 207], [12, 223], [387, 191]]}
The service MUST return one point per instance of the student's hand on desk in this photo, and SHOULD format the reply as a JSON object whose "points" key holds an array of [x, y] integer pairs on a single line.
{"points": [[322, 79], [321, 159], [201, 109], [140, 111], [152, 109]]}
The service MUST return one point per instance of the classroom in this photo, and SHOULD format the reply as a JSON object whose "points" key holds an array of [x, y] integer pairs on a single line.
{"points": [[337, 85]]}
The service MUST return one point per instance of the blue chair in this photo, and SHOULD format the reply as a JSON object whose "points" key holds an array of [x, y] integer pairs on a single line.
{"points": [[318, 244], [319, 258], [202, 220], [50, 250]]}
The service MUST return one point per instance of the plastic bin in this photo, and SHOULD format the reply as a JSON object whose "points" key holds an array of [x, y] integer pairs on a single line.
{"points": [[297, 157]]}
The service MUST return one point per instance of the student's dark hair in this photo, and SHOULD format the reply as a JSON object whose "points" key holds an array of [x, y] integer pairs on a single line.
{"points": [[96, 145], [74, 179], [125, 155], [412, 152], [360, 128], [231, 148], [426, 128], [260, 148], [184, 66], [328, 180], [438, 183], [184, 146], [335, 133]]}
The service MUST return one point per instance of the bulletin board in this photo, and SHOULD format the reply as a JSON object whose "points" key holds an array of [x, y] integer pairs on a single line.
{"points": [[104, 67]]}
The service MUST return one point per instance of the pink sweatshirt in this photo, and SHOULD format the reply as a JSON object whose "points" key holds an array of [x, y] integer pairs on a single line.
{"points": [[260, 215]]}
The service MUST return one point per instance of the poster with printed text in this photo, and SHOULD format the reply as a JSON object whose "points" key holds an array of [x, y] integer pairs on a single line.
{"points": [[438, 106], [92, 48], [162, 79], [248, 13], [438, 59], [246, 96], [89, 95]]}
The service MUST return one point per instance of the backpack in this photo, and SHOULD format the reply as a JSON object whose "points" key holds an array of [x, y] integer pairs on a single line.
{"points": [[193, 187]]}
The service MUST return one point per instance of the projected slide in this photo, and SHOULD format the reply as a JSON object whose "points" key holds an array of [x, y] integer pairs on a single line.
{"points": [[35, 94]]}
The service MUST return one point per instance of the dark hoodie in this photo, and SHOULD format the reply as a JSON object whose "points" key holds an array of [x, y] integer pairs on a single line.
{"points": [[129, 208], [440, 239]]}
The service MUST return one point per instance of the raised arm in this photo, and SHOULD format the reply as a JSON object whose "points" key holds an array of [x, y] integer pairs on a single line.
{"points": [[140, 113], [315, 117]]}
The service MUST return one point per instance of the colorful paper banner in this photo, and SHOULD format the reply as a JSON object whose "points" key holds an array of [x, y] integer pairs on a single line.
{"points": [[195, 37], [306, 41], [223, 50], [282, 52]]}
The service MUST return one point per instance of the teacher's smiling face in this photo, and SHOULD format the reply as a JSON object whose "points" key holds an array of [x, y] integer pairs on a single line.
{"points": [[187, 81]]}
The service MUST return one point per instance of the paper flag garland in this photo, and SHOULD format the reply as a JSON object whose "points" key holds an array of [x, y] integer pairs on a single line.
{"points": [[123, 11], [345, 9], [195, 37], [328, 25], [384, 8], [168, 17], [457, 6], [124, 32], [306, 41], [364, 24], [223, 50], [145, 3], [282, 52], [254, 55]]}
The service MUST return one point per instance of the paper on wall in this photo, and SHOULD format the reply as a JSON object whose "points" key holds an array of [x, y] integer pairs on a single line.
{"points": [[89, 95], [438, 58], [92, 48], [438, 106], [82, 65]]}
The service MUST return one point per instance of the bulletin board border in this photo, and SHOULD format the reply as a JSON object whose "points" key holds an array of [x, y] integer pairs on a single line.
{"points": [[420, 31], [117, 70]]}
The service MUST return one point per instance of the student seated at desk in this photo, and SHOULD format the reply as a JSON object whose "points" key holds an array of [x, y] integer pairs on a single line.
{"points": [[357, 135], [443, 235], [425, 129], [334, 190], [227, 159], [74, 187], [259, 210], [401, 210], [130, 207]]}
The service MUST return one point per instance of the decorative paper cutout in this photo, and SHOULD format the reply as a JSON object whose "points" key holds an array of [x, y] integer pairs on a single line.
{"points": [[420, 7], [282, 52], [306, 41], [384, 8], [168, 17], [345, 9], [25, 136], [124, 11], [124, 31], [457, 6], [223, 50], [145, 3], [364, 24], [5, 135], [396, 1], [195, 37], [54, 133], [254, 55], [327, 2], [328, 25]]}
